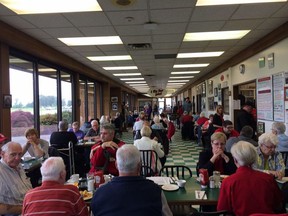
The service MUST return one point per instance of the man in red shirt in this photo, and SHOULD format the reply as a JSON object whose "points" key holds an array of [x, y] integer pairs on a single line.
{"points": [[103, 153], [228, 129], [53, 197], [249, 191]]}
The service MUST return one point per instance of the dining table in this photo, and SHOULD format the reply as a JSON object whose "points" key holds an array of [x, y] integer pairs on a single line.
{"points": [[188, 195]]}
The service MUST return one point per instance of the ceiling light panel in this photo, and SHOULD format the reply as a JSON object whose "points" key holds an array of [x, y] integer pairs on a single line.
{"points": [[87, 41], [177, 81], [110, 58], [135, 82], [181, 77], [228, 2], [127, 79], [51, 6], [121, 68], [185, 72], [190, 65], [216, 35], [200, 54], [127, 74]]}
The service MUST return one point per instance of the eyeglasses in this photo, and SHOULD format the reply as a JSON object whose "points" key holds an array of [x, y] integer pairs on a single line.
{"points": [[270, 147]]}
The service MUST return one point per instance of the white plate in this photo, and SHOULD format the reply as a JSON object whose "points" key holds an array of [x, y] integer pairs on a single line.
{"points": [[170, 187]]}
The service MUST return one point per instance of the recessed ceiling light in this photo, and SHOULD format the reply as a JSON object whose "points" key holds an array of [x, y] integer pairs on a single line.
{"points": [[135, 82], [121, 68], [144, 84], [51, 6], [216, 35], [127, 79], [127, 74], [85, 41], [227, 2], [181, 77], [110, 58], [190, 65], [175, 81], [199, 54], [185, 72]]}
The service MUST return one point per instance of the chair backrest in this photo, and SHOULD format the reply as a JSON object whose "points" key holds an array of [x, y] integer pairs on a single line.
{"points": [[146, 171], [218, 213], [150, 158], [182, 172], [285, 158]]}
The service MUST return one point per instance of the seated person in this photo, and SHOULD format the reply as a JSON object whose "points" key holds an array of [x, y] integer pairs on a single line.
{"points": [[53, 195], [249, 191], [217, 159], [157, 124], [246, 135], [120, 191], [138, 126], [103, 153], [269, 160], [60, 139], [279, 128], [228, 129], [199, 123], [38, 148], [35, 146], [118, 123], [75, 129], [145, 143], [93, 132], [14, 183]]}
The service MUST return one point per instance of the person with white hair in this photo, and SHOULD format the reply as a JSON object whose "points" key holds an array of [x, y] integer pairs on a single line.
{"points": [[249, 191], [269, 160], [279, 128], [157, 124], [53, 196], [118, 196], [13, 182]]}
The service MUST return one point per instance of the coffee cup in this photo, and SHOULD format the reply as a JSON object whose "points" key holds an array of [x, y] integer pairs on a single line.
{"points": [[181, 183]]}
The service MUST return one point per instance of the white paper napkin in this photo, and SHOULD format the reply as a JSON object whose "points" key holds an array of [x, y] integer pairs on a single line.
{"points": [[160, 180], [200, 194]]}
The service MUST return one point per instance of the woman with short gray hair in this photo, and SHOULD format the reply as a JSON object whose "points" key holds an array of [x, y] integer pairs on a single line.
{"points": [[279, 128]]}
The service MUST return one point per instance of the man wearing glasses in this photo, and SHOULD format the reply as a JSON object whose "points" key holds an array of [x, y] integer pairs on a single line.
{"points": [[228, 129], [269, 160]]}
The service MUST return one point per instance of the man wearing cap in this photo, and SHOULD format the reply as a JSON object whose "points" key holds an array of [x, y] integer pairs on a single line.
{"points": [[245, 117]]}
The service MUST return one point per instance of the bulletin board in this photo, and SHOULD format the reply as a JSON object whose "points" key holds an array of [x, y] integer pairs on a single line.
{"points": [[265, 98]]}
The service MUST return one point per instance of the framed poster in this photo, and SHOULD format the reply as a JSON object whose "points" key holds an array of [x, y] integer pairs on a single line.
{"points": [[114, 99], [7, 101], [114, 106], [261, 127]]}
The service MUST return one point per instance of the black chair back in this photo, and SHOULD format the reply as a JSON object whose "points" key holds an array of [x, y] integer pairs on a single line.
{"points": [[146, 171], [150, 159], [182, 172], [218, 213], [285, 158]]}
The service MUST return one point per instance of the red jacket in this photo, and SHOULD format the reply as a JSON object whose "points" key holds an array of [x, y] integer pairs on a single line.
{"points": [[171, 130], [233, 133], [98, 159]]}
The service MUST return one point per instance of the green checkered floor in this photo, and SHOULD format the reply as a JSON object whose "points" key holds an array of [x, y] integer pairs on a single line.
{"points": [[181, 152]]}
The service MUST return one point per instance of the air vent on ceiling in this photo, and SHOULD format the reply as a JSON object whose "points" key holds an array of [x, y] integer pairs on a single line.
{"points": [[165, 56], [123, 2], [149, 75], [139, 46]]}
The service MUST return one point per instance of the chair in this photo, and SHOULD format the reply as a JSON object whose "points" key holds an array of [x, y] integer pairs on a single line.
{"points": [[150, 159], [218, 213], [146, 171], [180, 171], [285, 158], [67, 154]]}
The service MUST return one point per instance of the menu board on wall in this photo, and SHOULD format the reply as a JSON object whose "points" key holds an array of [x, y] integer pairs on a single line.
{"points": [[264, 98], [278, 95]]}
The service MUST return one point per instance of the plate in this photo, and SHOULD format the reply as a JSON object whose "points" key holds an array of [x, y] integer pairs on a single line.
{"points": [[170, 187], [86, 195]]}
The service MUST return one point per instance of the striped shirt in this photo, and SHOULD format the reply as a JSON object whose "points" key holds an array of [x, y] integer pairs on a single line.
{"points": [[53, 198], [14, 184]]}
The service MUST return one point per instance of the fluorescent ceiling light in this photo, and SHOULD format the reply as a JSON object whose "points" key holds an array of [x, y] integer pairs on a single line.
{"points": [[147, 95], [167, 95], [51, 6], [199, 54], [127, 79], [177, 81], [127, 74], [133, 85], [46, 70], [217, 35], [227, 2], [135, 82], [190, 65], [110, 58], [181, 77], [121, 68], [85, 41], [185, 72]]}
